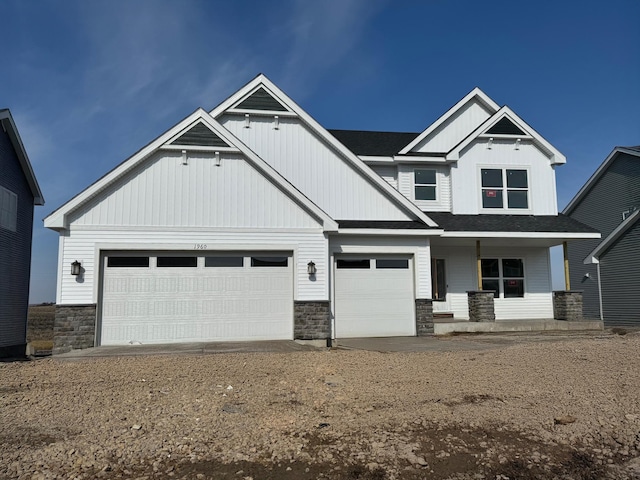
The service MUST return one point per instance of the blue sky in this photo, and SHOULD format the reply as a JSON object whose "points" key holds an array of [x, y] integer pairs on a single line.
{"points": [[90, 82]]}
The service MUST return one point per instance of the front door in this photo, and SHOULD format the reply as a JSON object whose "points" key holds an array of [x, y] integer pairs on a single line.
{"points": [[439, 286]]}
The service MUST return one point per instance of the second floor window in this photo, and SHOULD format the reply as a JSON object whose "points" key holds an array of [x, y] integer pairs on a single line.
{"points": [[424, 181], [505, 188], [8, 209]]}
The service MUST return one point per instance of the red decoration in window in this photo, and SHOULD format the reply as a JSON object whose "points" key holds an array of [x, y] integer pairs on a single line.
{"points": [[491, 193], [513, 283]]}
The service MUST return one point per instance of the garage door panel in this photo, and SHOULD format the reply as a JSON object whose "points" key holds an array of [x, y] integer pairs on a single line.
{"points": [[178, 304], [374, 302]]}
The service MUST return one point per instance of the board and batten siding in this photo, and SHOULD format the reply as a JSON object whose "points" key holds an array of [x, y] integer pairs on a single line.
{"points": [[465, 176], [164, 192], [617, 190], [15, 250], [406, 184], [461, 274], [620, 276], [84, 244], [315, 168], [369, 246], [454, 129]]}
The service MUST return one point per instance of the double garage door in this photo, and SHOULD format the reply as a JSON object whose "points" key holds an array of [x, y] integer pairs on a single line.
{"points": [[374, 297], [182, 297]]}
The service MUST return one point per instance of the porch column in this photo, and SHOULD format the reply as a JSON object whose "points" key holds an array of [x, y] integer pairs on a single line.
{"points": [[479, 262], [567, 281]]}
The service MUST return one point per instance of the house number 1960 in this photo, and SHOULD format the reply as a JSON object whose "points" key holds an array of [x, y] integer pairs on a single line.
{"points": [[200, 246]]}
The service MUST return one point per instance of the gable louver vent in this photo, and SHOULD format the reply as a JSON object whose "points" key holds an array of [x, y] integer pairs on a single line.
{"points": [[261, 100], [200, 135], [505, 127]]}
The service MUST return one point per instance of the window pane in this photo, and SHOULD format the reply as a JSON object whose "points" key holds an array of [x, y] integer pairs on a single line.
{"points": [[269, 261], [490, 267], [128, 262], [223, 261], [425, 177], [177, 261], [491, 177], [491, 198], [513, 288], [517, 199], [425, 193], [396, 263], [517, 179], [492, 285], [512, 267], [366, 263]]}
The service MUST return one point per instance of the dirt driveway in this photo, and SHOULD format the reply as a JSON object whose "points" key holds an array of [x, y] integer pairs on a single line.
{"points": [[568, 408]]}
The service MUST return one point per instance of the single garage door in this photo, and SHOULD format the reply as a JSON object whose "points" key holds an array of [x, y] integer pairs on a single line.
{"points": [[181, 297], [374, 297]]}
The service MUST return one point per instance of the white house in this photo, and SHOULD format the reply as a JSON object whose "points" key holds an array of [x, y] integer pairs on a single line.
{"points": [[253, 221]]}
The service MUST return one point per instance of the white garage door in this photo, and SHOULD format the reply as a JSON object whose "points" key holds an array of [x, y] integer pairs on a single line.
{"points": [[180, 297], [374, 297]]}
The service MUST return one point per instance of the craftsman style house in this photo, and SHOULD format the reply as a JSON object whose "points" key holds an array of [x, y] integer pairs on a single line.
{"points": [[607, 270], [19, 193], [252, 221]]}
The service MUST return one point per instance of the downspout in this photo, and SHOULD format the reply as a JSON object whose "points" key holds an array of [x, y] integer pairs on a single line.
{"points": [[600, 291]]}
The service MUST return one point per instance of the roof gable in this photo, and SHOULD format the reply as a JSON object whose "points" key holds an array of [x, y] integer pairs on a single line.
{"points": [[9, 126], [589, 184], [260, 99], [59, 218], [293, 110], [594, 256], [199, 134], [454, 124], [501, 117]]}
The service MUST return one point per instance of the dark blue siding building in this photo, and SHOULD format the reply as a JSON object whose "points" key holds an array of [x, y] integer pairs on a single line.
{"points": [[19, 192]]}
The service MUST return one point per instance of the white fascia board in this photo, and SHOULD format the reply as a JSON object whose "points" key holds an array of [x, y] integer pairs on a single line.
{"points": [[596, 175], [476, 92], [392, 232], [375, 159], [57, 220], [565, 235], [420, 159], [594, 256], [554, 153], [352, 158], [261, 113]]}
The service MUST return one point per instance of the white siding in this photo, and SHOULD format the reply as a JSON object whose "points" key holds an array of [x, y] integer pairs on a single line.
{"points": [[84, 245], [443, 190], [388, 172], [455, 129], [461, 271], [164, 192], [465, 176], [314, 168], [418, 247]]}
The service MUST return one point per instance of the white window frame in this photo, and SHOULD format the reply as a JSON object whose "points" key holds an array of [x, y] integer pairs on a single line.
{"points": [[436, 185], [504, 189], [8, 209], [501, 278]]}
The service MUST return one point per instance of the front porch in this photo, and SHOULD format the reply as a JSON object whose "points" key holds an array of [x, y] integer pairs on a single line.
{"points": [[449, 325]]}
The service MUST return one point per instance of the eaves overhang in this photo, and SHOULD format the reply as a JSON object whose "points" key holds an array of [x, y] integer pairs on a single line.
{"points": [[594, 256]]}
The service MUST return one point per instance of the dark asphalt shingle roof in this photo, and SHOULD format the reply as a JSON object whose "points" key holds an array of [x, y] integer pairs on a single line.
{"points": [[373, 143], [509, 223], [385, 224]]}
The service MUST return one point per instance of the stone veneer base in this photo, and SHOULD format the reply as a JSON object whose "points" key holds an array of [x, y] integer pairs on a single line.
{"points": [[567, 305], [481, 307], [424, 317], [312, 320], [74, 327]]}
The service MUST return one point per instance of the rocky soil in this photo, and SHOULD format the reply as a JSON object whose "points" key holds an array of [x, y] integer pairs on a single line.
{"points": [[568, 409]]}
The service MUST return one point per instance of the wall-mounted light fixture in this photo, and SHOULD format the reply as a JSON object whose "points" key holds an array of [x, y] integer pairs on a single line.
{"points": [[247, 122], [490, 143], [276, 122], [311, 268], [76, 268], [184, 157], [518, 144], [217, 159]]}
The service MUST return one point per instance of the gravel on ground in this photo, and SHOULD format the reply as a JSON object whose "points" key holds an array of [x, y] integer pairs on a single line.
{"points": [[565, 409]]}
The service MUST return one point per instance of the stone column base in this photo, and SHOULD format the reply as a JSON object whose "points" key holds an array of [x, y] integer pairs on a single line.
{"points": [[567, 305], [312, 320], [481, 308], [424, 317], [74, 327]]}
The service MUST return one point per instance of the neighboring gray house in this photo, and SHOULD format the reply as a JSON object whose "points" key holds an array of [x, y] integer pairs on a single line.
{"points": [[19, 192], [608, 270]]}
